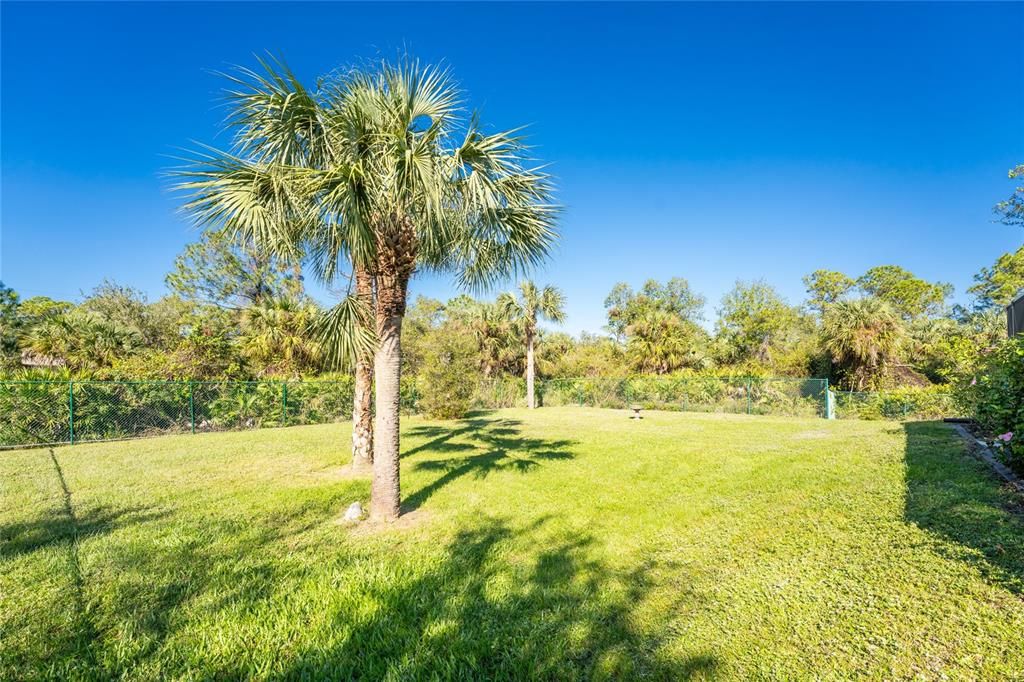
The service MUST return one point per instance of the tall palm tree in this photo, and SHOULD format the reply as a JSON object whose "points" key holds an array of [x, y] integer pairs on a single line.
{"points": [[533, 304], [405, 184], [864, 336], [280, 127]]}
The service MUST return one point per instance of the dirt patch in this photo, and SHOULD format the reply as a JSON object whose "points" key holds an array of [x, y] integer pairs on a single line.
{"points": [[342, 472], [407, 521], [812, 435]]}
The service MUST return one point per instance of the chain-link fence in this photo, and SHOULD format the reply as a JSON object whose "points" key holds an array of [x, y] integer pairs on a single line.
{"points": [[45, 412], [747, 395], [901, 404], [52, 412]]}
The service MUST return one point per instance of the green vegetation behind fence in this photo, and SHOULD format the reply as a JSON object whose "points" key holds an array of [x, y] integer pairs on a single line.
{"points": [[55, 412], [744, 395]]}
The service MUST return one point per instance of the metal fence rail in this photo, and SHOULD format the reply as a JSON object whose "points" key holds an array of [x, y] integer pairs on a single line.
{"points": [[58, 412]]}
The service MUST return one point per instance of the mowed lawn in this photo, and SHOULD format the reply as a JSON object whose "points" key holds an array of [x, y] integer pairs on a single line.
{"points": [[563, 543]]}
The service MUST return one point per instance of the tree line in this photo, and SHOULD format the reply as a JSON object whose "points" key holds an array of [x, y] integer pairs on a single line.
{"points": [[232, 314]]}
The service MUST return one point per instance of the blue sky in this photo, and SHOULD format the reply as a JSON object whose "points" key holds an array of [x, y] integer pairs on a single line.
{"points": [[712, 142]]}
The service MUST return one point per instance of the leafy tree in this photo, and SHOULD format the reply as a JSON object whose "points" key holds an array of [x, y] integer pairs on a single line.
{"points": [[532, 305], [997, 286], [825, 287], [448, 378], [120, 305], [589, 355], [390, 192], [864, 337], [10, 326], [617, 304], [753, 323], [911, 296], [423, 316], [223, 271], [34, 310], [205, 350], [946, 350], [1011, 211], [674, 298]]}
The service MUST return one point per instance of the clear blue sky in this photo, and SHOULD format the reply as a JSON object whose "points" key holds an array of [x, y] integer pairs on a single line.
{"points": [[712, 142]]}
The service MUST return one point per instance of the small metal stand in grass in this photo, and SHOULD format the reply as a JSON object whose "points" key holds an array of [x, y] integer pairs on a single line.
{"points": [[636, 411]]}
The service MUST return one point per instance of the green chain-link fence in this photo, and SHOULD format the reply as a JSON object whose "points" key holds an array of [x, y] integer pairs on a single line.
{"points": [[896, 404], [51, 412], [747, 395]]}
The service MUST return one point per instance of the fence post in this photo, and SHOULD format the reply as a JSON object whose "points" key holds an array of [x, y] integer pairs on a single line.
{"points": [[191, 407], [284, 403], [748, 395], [828, 401], [71, 411]]}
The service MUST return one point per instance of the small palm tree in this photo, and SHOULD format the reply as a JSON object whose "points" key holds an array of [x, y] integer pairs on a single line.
{"points": [[662, 342], [405, 184], [533, 304], [276, 336], [497, 338], [864, 336]]}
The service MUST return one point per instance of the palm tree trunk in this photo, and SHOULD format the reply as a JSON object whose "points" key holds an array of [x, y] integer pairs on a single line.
{"points": [[362, 413], [385, 492], [530, 398]]}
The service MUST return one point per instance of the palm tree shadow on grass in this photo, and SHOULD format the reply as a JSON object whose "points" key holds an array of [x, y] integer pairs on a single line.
{"points": [[960, 500], [561, 614], [486, 445], [147, 584]]}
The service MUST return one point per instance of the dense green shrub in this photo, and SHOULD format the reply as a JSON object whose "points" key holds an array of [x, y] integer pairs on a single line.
{"points": [[908, 403], [448, 377], [996, 398]]}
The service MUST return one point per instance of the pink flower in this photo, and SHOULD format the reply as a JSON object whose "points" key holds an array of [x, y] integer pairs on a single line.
{"points": [[1006, 437], [974, 381]]}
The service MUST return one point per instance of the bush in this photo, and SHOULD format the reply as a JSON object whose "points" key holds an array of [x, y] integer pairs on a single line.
{"points": [[448, 377], [907, 403], [995, 398]]}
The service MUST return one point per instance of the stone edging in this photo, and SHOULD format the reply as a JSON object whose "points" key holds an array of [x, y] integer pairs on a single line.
{"points": [[980, 449]]}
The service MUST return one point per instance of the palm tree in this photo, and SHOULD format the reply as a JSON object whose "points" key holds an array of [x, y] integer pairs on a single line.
{"points": [[662, 342], [280, 125], [82, 340], [497, 338], [864, 336], [276, 336], [405, 184], [533, 304]]}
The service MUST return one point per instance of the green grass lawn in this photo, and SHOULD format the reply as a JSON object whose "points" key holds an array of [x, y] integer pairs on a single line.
{"points": [[563, 543]]}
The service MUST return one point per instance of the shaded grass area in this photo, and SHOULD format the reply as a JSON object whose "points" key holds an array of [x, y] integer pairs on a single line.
{"points": [[566, 543]]}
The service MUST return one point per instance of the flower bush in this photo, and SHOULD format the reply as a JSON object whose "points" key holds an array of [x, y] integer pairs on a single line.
{"points": [[995, 398]]}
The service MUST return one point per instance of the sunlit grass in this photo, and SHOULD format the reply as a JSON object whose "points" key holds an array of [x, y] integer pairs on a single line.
{"points": [[562, 543]]}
